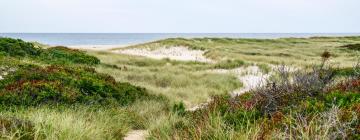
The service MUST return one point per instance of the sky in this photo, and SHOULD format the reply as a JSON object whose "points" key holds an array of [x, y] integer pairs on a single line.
{"points": [[180, 16]]}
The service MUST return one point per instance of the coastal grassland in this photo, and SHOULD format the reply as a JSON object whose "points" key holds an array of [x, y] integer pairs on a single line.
{"points": [[60, 93], [298, 105], [189, 82], [55, 93], [300, 52]]}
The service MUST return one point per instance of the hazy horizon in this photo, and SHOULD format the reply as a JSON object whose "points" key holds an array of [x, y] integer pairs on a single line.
{"points": [[186, 16]]}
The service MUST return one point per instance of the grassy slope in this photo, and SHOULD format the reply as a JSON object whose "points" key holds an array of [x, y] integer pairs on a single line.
{"points": [[184, 81], [44, 87], [247, 124], [176, 79], [180, 81], [291, 51]]}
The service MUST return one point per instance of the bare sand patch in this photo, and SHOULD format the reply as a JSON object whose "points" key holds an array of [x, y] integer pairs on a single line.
{"points": [[137, 135], [251, 77], [180, 53]]}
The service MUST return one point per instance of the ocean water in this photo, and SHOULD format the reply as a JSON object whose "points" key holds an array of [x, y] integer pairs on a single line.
{"points": [[135, 38]]}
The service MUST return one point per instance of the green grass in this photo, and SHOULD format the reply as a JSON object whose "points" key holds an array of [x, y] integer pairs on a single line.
{"points": [[57, 94], [290, 51], [78, 122], [167, 84], [190, 82]]}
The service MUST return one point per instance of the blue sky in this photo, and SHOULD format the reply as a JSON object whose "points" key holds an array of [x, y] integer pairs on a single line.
{"points": [[183, 16]]}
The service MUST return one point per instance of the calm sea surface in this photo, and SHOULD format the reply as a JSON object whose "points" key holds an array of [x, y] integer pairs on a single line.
{"points": [[134, 38]]}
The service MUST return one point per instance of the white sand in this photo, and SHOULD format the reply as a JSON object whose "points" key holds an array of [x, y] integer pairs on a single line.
{"points": [[174, 53], [251, 77], [96, 47], [137, 135]]}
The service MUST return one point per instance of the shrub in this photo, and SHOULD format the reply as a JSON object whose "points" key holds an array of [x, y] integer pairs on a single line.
{"points": [[349, 85], [288, 89], [54, 55], [355, 47], [342, 99], [63, 55], [17, 48], [33, 85]]}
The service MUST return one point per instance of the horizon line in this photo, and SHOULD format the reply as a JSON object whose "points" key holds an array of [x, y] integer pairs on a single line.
{"points": [[180, 33]]}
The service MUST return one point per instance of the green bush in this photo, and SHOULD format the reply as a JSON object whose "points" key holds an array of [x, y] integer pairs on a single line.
{"points": [[17, 48], [63, 55], [355, 47], [54, 55], [34, 85], [342, 99]]}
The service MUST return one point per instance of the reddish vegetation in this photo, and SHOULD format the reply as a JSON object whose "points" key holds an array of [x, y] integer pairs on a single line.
{"points": [[352, 85]]}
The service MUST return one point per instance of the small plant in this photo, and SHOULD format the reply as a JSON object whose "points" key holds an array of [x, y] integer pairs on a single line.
{"points": [[179, 109], [325, 56]]}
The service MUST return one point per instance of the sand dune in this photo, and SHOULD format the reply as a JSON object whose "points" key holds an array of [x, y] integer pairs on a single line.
{"points": [[180, 53]]}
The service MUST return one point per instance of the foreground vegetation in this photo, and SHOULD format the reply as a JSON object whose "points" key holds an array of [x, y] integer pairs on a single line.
{"points": [[189, 82], [298, 105], [61, 93], [54, 94]]}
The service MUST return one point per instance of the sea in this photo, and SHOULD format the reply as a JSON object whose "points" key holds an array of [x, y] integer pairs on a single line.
{"points": [[68, 39]]}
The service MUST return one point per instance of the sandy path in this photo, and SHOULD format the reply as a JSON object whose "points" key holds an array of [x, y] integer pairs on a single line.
{"points": [[180, 53], [136, 135]]}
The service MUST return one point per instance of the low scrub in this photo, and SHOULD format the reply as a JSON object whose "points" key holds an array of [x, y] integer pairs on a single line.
{"points": [[17, 48], [280, 110], [355, 47], [63, 55], [54, 55], [33, 85]]}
